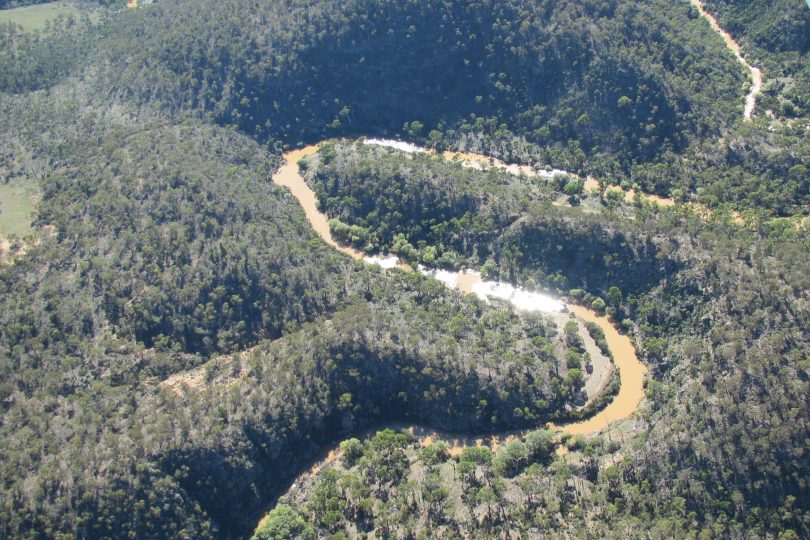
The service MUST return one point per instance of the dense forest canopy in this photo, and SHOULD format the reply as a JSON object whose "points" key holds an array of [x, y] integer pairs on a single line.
{"points": [[176, 343], [551, 71]]}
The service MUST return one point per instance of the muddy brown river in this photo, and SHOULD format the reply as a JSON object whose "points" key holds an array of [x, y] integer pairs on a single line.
{"points": [[632, 371], [734, 47]]}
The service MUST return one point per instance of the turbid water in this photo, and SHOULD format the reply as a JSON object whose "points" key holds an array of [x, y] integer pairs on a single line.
{"points": [[481, 162], [289, 177], [631, 372]]}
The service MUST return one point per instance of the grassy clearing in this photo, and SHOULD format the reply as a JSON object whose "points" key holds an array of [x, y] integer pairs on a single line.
{"points": [[35, 17], [16, 206]]}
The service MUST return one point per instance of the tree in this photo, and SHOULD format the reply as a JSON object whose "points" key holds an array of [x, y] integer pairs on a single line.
{"points": [[414, 129], [481, 455], [511, 459], [572, 337], [486, 495], [573, 188], [437, 452], [613, 198], [352, 450], [540, 445], [654, 348], [614, 296], [283, 523], [489, 270]]}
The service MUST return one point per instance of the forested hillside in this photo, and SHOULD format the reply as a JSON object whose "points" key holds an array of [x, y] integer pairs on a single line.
{"points": [[177, 345], [156, 266], [439, 213], [549, 71], [10, 4], [722, 305], [639, 92]]}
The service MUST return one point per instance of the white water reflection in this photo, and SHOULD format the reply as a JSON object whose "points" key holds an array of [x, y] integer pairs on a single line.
{"points": [[383, 261], [631, 371], [450, 279], [552, 173], [520, 298], [470, 281], [398, 145], [469, 160]]}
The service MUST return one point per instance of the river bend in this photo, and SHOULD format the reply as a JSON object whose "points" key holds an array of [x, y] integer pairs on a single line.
{"points": [[631, 370]]}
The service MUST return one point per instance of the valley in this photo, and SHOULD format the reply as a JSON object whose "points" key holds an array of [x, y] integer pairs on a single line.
{"points": [[376, 269]]}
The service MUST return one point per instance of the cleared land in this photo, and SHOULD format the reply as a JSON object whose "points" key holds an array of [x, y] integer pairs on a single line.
{"points": [[37, 16], [17, 199]]}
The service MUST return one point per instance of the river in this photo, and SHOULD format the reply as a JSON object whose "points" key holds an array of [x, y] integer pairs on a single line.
{"points": [[632, 371]]}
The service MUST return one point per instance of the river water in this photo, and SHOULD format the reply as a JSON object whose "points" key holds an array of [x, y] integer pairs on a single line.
{"points": [[632, 371]]}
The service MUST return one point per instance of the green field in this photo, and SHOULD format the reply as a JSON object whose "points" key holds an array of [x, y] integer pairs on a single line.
{"points": [[35, 17], [16, 207]]}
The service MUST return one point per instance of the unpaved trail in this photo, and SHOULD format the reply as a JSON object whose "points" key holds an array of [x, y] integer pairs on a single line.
{"points": [[734, 47]]}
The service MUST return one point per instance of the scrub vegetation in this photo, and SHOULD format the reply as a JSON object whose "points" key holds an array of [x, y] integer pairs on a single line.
{"points": [[152, 136]]}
